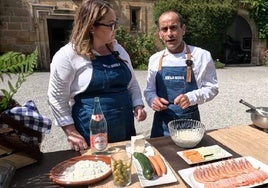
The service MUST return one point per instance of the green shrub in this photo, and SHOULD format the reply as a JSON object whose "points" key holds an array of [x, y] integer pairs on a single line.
{"points": [[139, 47], [258, 11], [206, 21]]}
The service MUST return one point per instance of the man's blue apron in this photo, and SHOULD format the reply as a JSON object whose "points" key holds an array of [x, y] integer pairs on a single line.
{"points": [[110, 79], [170, 83]]}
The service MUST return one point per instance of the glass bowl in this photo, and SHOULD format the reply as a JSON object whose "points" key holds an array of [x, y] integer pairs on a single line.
{"points": [[186, 133]]}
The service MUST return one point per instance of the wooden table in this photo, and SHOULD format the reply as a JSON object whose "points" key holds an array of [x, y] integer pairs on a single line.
{"points": [[244, 140], [238, 140]]}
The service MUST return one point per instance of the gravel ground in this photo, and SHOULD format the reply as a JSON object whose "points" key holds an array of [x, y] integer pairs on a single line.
{"points": [[235, 83]]}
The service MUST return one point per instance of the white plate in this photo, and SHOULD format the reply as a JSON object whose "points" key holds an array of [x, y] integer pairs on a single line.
{"points": [[216, 150], [164, 179], [187, 174]]}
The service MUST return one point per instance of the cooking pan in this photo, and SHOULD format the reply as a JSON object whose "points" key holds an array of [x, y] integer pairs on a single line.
{"points": [[257, 119], [259, 115]]}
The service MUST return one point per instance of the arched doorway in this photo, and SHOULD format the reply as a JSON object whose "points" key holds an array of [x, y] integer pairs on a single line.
{"points": [[244, 31], [238, 42]]}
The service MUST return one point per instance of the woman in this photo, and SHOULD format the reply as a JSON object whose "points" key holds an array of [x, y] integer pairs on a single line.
{"points": [[94, 64]]}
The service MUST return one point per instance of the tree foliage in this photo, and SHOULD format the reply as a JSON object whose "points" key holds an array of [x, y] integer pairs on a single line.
{"points": [[258, 11], [206, 20]]}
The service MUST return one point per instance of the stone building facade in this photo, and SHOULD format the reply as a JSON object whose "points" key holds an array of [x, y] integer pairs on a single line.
{"points": [[46, 24]]}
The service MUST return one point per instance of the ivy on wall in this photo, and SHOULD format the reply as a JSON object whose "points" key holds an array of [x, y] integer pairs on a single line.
{"points": [[206, 21], [258, 11]]}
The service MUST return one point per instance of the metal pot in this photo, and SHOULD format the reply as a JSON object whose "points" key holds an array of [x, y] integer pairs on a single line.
{"points": [[258, 119]]}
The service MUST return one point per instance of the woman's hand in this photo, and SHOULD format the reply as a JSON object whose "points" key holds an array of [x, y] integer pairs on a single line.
{"points": [[76, 141], [140, 113]]}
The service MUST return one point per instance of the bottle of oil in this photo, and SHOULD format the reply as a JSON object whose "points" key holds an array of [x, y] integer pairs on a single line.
{"points": [[98, 129]]}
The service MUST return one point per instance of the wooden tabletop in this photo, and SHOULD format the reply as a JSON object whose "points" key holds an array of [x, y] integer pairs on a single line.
{"points": [[238, 140], [244, 140]]}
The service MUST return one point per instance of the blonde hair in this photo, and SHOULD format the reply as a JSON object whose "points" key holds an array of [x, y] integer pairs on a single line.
{"points": [[88, 13]]}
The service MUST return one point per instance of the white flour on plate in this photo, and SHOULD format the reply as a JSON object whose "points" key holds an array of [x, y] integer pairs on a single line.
{"points": [[85, 170]]}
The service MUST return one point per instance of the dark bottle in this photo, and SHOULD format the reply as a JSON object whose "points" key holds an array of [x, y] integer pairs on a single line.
{"points": [[98, 129]]}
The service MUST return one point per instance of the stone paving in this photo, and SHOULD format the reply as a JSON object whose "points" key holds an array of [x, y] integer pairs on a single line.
{"points": [[235, 83]]}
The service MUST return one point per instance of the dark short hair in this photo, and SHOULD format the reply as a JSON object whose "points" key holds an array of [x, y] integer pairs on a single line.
{"points": [[180, 18]]}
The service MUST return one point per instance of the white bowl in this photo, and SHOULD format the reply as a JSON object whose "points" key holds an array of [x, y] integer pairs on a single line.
{"points": [[186, 133]]}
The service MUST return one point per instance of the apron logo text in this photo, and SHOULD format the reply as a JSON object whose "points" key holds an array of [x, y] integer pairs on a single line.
{"points": [[174, 77], [112, 66]]}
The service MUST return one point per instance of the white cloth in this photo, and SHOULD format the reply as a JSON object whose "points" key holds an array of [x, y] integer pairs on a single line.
{"points": [[203, 68], [70, 74]]}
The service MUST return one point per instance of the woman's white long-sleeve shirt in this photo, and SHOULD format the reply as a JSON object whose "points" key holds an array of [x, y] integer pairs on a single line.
{"points": [[70, 74], [203, 69]]}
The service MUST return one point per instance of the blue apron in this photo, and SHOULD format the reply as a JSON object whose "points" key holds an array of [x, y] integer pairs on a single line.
{"points": [[110, 79], [171, 82]]}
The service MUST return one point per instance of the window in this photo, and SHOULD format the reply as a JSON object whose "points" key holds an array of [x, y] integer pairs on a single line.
{"points": [[134, 18]]}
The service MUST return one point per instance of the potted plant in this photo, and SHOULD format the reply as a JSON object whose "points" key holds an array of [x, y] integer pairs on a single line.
{"points": [[14, 65]]}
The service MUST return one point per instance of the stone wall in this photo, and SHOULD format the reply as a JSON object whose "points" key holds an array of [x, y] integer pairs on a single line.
{"points": [[145, 19], [17, 31], [23, 23]]}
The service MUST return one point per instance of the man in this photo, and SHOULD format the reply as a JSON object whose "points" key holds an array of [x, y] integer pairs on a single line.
{"points": [[179, 77]]}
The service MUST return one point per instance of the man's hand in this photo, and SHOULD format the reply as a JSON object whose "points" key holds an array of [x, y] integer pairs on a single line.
{"points": [[182, 101], [159, 104]]}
